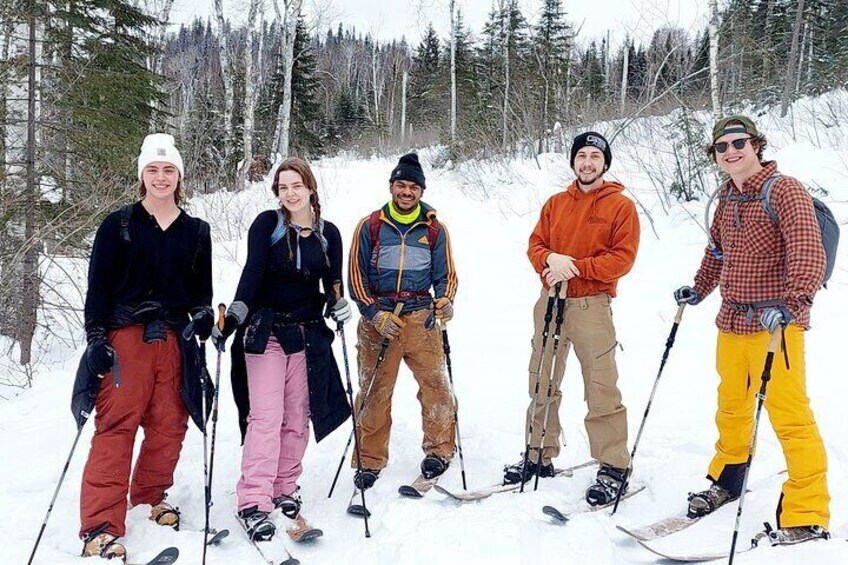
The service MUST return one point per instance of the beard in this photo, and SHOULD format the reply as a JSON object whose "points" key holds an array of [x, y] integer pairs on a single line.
{"points": [[587, 179]]}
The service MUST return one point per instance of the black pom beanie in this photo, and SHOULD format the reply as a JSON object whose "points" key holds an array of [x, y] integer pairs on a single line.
{"points": [[408, 168], [593, 139]]}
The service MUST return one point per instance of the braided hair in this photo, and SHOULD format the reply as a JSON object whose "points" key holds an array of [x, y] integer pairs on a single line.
{"points": [[303, 169]]}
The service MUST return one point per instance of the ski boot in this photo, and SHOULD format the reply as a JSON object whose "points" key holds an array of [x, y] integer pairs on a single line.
{"points": [[166, 515], [608, 483], [99, 543], [289, 504], [515, 473], [433, 466], [366, 478], [790, 536], [257, 524], [708, 501]]}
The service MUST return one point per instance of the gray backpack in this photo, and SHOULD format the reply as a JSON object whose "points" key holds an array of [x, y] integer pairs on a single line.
{"points": [[827, 223]]}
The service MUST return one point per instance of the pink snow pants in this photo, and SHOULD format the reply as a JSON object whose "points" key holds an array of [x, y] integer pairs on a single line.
{"points": [[277, 427]]}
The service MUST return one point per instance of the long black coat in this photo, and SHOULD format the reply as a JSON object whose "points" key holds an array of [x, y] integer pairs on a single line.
{"points": [[328, 405]]}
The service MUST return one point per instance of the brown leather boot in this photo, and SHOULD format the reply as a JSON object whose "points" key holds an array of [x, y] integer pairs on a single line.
{"points": [[166, 515], [103, 545]]}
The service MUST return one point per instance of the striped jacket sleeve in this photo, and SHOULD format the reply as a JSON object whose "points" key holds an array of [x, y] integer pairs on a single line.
{"points": [[360, 258], [444, 271]]}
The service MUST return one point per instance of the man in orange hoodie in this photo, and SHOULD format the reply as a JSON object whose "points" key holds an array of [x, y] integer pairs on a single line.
{"points": [[587, 237]]}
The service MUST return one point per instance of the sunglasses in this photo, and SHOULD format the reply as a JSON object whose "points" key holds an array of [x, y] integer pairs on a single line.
{"points": [[737, 144]]}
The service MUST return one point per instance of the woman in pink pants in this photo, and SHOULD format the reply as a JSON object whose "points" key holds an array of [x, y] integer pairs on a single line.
{"points": [[284, 373]]}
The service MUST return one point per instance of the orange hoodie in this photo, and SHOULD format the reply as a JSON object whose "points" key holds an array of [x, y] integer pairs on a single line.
{"points": [[599, 229]]}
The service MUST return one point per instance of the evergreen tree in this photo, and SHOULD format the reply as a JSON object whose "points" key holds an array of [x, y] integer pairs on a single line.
{"points": [[552, 37], [426, 101]]}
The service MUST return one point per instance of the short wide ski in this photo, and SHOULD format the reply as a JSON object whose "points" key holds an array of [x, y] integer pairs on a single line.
{"points": [[496, 489], [694, 558], [217, 537], [302, 531], [165, 557], [354, 507], [264, 552], [562, 518], [418, 488]]}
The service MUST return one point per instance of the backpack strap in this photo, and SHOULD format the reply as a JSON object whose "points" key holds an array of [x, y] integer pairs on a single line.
{"points": [[202, 234], [765, 192], [126, 213], [433, 229], [280, 229]]}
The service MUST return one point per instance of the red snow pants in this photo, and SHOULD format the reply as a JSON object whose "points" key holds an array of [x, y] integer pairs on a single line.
{"points": [[148, 396]]}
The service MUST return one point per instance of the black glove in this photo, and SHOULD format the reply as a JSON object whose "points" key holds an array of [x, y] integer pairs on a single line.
{"points": [[236, 315], [203, 318], [100, 357]]}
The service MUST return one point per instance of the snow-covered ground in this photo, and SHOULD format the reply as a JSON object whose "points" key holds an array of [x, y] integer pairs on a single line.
{"points": [[490, 210]]}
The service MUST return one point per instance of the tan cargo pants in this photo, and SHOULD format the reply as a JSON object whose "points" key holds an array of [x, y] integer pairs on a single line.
{"points": [[423, 353], [587, 326]]}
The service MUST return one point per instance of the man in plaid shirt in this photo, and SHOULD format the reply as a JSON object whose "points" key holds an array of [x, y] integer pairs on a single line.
{"points": [[768, 273]]}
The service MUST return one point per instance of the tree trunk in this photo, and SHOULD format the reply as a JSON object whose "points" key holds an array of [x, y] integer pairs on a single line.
{"points": [[30, 283], [625, 66], [453, 72], [227, 77], [714, 93], [788, 85], [767, 41], [249, 97], [506, 34], [403, 107], [156, 60], [292, 11]]}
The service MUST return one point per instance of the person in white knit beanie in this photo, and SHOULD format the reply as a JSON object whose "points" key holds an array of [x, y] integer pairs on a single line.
{"points": [[157, 152]]}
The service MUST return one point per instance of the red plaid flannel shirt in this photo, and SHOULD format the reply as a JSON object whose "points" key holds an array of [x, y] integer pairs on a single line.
{"points": [[763, 260]]}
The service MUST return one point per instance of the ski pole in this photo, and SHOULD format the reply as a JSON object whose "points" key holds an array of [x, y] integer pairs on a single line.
{"points": [[562, 292], [549, 314], [340, 330], [446, 345], [220, 348], [761, 398], [56, 492], [204, 387], [669, 343], [384, 345]]}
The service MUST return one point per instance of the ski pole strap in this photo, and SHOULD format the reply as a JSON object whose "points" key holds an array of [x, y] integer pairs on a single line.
{"points": [[750, 308]]}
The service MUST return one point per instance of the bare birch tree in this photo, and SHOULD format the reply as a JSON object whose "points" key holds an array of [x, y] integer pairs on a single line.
{"points": [[453, 71], [714, 23], [291, 11], [227, 76], [250, 96]]}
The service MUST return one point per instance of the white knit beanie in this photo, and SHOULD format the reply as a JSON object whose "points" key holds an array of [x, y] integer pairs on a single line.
{"points": [[159, 147]]}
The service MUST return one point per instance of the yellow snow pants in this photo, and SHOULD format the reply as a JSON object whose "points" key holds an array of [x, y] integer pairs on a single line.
{"points": [[740, 359]]}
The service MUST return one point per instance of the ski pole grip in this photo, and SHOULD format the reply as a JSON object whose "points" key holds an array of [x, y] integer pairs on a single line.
{"points": [[552, 291], [222, 310], [774, 342], [563, 289], [398, 309], [679, 316]]}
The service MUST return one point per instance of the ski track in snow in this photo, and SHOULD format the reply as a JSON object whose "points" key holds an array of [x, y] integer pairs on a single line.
{"points": [[490, 350]]}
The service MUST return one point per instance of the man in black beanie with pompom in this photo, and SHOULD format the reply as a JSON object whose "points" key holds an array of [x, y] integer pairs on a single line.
{"points": [[399, 253]]}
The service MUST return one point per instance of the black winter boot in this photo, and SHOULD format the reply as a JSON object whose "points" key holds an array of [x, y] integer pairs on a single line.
{"points": [[257, 524], [289, 504], [366, 478], [433, 466], [513, 473], [708, 501], [608, 482]]}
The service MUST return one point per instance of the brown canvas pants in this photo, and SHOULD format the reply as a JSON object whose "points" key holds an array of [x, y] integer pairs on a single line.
{"points": [[423, 353], [149, 396], [588, 328]]}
